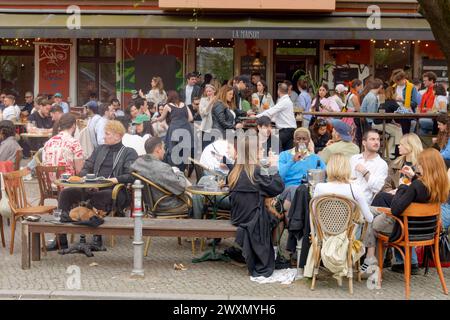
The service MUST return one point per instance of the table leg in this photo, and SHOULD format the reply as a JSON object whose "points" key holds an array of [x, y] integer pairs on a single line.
{"points": [[212, 255], [25, 248], [35, 246]]}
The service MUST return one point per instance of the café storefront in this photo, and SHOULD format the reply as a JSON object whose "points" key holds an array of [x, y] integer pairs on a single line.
{"points": [[115, 53]]}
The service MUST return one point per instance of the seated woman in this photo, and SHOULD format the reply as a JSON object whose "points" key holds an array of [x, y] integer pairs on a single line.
{"points": [[441, 141], [320, 135], [409, 148], [294, 164], [249, 185], [8, 142], [338, 182], [430, 184]]}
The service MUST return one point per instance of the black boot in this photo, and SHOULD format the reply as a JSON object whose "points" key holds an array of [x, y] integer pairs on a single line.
{"points": [[97, 243], [62, 242]]}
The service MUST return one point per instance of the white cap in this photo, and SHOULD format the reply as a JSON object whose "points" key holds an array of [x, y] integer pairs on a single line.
{"points": [[340, 88]]}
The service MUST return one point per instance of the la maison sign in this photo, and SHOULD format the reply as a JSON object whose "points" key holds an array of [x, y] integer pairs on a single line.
{"points": [[254, 5], [245, 34]]}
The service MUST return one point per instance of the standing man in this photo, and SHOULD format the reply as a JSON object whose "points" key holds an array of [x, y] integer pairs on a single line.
{"points": [[368, 168], [57, 98], [427, 102], [29, 103], [106, 112], [118, 112], [191, 89], [304, 101], [241, 84], [283, 115], [291, 93]]}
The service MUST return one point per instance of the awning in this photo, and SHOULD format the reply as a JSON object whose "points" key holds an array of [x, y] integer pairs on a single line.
{"points": [[238, 27]]}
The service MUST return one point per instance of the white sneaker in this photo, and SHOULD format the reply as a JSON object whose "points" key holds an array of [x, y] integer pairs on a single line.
{"points": [[368, 262]]}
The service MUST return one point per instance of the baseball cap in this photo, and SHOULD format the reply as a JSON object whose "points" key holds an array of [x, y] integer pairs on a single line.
{"points": [[340, 88], [343, 129], [140, 119], [58, 95]]}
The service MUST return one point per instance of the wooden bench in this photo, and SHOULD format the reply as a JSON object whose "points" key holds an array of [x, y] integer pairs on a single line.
{"points": [[121, 227]]}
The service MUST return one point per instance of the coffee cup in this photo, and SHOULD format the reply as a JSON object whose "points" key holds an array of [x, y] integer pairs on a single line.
{"points": [[65, 176], [90, 176]]}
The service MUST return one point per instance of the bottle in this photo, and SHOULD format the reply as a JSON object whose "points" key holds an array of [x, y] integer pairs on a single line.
{"points": [[318, 164]]}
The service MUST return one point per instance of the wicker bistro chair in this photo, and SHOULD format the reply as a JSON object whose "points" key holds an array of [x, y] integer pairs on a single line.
{"points": [[420, 226], [332, 215], [19, 156], [151, 210]]}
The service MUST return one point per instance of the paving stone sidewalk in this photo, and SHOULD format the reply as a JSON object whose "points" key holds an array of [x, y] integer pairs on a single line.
{"points": [[107, 275]]}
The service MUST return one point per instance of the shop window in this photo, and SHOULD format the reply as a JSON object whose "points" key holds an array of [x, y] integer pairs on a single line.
{"points": [[391, 55], [17, 67], [96, 69], [215, 57]]}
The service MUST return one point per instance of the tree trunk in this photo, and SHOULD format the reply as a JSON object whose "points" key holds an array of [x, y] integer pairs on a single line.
{"points": [[437, 13]]}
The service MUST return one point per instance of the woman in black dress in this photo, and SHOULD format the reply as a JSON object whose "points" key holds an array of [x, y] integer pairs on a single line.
{"points": [[180, 130]]}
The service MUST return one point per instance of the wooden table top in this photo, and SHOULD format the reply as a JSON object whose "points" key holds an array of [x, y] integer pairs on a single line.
{"points": [[147, 224], [84, 185], [200, 190], [36, 135]]}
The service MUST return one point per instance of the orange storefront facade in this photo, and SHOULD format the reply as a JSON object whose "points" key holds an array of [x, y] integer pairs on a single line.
{"points": [[121, 44]]}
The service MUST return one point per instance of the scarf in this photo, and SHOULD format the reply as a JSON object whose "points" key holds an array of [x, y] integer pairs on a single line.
{"points": [[427, 102], [407, 95]]}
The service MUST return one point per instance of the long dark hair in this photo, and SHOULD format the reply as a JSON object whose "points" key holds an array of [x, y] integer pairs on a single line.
{"points": [[317, 99], [443, 136], [148, 129]]}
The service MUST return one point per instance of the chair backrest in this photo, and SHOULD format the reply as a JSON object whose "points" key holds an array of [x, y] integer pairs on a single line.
{"points": [[199, 170], [151, 202], [19, 154], [45, 175], [423, 221], [15, 189], [333, 214]]}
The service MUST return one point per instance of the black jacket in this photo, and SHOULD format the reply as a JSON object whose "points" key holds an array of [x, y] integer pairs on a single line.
{"points": [[196, 92], [298, 223], [222, 118], [405, 195], [320, 142], [390, 106], [255, 224], [122, 169]]}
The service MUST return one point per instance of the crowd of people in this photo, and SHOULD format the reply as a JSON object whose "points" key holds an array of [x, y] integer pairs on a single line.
{"points": [[268, 161]]}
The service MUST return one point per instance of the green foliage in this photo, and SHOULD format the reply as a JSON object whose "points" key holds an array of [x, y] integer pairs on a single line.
{"points": [[312, 82]]}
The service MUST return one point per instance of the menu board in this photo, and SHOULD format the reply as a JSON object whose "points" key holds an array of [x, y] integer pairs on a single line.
{"points": [[250, 64], [344, 75], [439, 67]]}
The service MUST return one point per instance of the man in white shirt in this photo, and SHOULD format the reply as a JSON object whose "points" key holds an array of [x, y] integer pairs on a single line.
{"points": [[212, 155], [57, 98], [283, 116], [368, 168], [106, 113], [12, 111]]}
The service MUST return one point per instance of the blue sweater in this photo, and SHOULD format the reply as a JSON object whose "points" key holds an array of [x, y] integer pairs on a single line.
{"points": [[293, 172], [444, 152]]}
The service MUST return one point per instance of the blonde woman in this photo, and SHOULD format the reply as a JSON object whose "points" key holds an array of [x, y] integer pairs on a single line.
{"points": [[409, 148], [205, 108], [338, 177], [250, 184], [156, 94]]}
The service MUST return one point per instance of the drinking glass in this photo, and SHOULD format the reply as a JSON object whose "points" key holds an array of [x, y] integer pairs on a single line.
{"points": [[57, 214]]}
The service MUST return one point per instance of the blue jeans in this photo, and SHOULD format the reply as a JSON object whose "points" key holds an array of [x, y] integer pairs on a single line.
{"points": [[399, 258], [445, 215]]}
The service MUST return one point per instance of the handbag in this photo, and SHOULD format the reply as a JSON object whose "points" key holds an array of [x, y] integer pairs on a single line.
{"points": [[444, 253]]}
